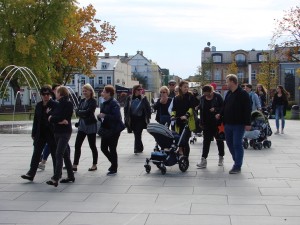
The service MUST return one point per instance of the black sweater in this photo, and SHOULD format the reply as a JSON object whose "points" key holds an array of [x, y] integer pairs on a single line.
{"points": [[63, 110], [237, 108]]}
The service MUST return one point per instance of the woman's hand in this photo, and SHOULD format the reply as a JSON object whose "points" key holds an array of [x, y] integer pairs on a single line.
{"points": [[101, 115], [65, 122], [183, 118]]}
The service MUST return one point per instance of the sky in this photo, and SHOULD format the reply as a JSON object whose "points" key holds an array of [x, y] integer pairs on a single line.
{"points": [[172, 33]]}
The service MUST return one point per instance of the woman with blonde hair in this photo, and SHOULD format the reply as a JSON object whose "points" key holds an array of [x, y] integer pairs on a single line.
{"points": [[262, 95], [162, 105], [87, 126]]}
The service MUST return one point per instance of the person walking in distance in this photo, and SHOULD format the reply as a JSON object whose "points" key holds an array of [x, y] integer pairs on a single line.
{"points": [[42, 133], [137, 112], [111, 118], [254, 100], [210, 104], [161, 106], [171, 87], [279, 106], [87, 126], [236, 114]]}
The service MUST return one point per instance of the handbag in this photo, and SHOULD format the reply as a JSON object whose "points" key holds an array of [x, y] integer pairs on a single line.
{"points": [[105, 133]]}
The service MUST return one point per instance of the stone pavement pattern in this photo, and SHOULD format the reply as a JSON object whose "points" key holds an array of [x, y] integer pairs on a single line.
{"points": [[265, 193]]}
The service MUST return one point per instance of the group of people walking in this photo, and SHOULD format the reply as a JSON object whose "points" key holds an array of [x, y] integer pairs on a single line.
{"points": [[176, 108]]}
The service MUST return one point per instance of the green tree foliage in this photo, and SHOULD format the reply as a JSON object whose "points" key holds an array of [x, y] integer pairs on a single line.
{"points": [[28, 30], [54, 38], [267, 75], [232, 68], [205, 71]]}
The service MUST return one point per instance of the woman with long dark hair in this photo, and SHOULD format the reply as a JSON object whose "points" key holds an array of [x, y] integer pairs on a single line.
{"points": [[137, 112], [183, 111], [279, 106]]}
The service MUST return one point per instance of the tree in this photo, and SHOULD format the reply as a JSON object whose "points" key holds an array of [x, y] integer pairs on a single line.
{"points": [[232, 68], [287, 34], [267, 75], [205, 72], [78, 51], [201, 76], [28, 30]]}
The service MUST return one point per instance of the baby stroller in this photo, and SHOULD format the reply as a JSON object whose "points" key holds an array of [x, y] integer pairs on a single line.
{"points": [[196, 133], [260, 131], [167, 155]]}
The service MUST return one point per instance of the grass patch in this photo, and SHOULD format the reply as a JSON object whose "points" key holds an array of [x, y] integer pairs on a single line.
{"points": [[17, 117]]}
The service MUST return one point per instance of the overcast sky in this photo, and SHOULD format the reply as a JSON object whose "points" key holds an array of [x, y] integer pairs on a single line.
{"points": [[172, 33]]}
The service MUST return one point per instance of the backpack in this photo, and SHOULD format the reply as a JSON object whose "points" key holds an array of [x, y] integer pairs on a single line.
{"points": [[136, 107]]}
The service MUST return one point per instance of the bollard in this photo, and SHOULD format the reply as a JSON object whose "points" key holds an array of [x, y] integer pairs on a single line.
{"points": [[295, 112]]}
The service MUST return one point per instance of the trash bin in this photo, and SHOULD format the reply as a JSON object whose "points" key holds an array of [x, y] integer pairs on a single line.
{"points": [[295, 112]]}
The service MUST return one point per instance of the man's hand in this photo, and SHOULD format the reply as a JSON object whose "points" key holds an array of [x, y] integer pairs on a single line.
{"points": [[183, 118]]}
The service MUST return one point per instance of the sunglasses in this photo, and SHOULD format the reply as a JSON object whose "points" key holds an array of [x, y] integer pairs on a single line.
{"points": [[44, 94], [171, 84]]}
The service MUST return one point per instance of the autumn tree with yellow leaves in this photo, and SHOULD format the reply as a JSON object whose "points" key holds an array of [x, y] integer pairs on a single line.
{"points": [[54, 38]]}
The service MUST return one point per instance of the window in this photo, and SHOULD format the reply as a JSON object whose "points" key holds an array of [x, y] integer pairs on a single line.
{"points": [[262, 58], [253, 75], [217, 75], [289, 71], [217, 58], [108, 80], [240, 75], [100, 80], [82, 80], [104, 66], [240, 58], [92, 81], [72, 82]]}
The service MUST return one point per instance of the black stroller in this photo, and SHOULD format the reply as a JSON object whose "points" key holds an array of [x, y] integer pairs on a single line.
{"points": [[259, 133], [167, 155]]}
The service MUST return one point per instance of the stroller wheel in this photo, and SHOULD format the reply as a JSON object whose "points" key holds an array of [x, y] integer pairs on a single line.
{"points": [[259, 146], [269, 143], [147, 168], [163, 170], [191, 141], [245, 144], [183, 163], [195, 139]]}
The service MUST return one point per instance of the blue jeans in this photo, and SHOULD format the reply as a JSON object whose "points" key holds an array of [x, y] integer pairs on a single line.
{"points": [[234, 138], [279, 114]]}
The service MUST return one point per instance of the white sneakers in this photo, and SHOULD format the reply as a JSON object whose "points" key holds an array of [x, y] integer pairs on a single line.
{"points": [[277, 132], [203, 163], [41, 166]]}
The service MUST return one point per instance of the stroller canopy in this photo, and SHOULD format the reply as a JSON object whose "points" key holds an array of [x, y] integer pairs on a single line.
{"points": [[155, 128]]}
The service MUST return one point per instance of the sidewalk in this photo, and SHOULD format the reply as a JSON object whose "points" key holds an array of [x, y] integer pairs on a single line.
{"points": [[267, 192]]}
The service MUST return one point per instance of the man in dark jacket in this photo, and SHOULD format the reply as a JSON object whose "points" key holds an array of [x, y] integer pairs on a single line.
{"points": [[42, 133], [236, 116]]}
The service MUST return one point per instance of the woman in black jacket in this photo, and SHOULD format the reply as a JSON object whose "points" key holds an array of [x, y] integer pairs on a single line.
{"points": [[61, 119], [137, 112], [87, 126], [111, 119], [162, 105], [42, 133]]}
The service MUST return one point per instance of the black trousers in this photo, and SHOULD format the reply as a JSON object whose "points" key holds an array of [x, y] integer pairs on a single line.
{"points": [[38, 149], [184, 143], [137, 126], [62, 155], [109, 149], [210, 132], [92, 143]]}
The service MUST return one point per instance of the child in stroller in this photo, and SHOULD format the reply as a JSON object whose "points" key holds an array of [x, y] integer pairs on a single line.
{"points": [[260, 130], [167, 155]]}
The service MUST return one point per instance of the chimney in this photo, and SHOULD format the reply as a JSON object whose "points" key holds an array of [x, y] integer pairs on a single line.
{"points": [[106, 55], [126, 55], [142, 52], [137, 52]]}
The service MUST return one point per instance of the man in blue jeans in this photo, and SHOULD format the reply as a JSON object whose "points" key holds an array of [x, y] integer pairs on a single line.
{"points": [[236, 114]]}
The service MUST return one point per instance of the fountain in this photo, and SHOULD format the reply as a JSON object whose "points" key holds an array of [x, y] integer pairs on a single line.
{"points": [[29, 76]]}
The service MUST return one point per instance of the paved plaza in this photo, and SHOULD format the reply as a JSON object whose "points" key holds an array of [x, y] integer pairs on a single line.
{"points": [[267, 192]]}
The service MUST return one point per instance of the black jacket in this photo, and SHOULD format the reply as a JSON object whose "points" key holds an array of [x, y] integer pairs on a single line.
{"points": [[62, 111], [87, 111], [280, 101], [40, 120], [216, 103], [237, 108], [113, 118], [145, 106], [161, 109]]}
